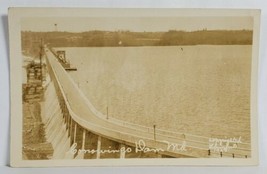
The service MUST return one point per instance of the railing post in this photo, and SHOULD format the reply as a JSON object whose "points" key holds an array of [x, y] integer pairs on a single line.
{"points": [[98, 147]]}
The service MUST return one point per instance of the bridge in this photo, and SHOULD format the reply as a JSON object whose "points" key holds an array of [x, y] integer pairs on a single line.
{"points": [[76, 129]]}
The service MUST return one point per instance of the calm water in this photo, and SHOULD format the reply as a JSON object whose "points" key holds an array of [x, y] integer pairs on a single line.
{"points": [[202, 90]]}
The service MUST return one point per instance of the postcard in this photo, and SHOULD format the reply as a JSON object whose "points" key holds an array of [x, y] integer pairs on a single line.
{"points": [[131, 87]]}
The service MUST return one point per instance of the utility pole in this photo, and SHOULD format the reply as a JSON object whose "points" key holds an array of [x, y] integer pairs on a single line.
{"points": [[107, 112], [154, 126]]}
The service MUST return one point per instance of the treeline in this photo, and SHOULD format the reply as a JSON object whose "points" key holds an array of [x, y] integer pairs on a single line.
{"points": [[206, 37], [31, 40]]}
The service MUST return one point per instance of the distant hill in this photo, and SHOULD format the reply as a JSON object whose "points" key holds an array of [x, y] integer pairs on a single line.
{"points": [[31, 40]]}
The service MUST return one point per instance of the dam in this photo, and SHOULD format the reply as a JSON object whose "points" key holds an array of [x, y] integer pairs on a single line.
{"points": [[77, 130]]}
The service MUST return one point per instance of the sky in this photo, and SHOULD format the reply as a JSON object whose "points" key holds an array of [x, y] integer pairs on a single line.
{"points": [[135, 24]]}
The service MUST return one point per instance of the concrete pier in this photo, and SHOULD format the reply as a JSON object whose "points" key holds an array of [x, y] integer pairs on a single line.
{"points": [[98, 147], [122, 153]]}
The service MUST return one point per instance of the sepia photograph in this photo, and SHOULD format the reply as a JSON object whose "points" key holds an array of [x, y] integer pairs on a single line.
{"points": [[133, 86]]}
